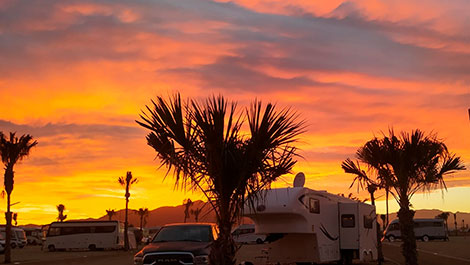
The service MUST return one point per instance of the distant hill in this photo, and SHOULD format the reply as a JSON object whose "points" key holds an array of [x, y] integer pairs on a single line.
{"points": [[433, 213], [165, 215]]}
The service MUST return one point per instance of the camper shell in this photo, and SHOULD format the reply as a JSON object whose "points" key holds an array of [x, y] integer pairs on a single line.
{"points": [[305, 225]]}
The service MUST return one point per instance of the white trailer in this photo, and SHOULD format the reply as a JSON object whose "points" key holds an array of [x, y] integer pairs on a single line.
{"points": [[305, 225], [84, 234]]}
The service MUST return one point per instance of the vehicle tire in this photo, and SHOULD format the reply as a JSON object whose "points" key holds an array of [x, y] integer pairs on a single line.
{"points": [[425, 238], [13, 245], [51, 248], [259, 241], [92, 247], [391, 238]]}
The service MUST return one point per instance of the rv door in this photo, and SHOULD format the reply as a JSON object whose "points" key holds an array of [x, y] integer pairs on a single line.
{"points": [[349, 225]]}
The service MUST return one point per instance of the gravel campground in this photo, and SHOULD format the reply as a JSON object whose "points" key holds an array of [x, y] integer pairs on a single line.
{"points": [[453, 252]]}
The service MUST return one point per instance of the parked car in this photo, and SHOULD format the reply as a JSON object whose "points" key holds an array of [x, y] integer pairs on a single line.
{"points": [[425, 229], [18, 237], [33, 235], [246, 234], [187, 243]]}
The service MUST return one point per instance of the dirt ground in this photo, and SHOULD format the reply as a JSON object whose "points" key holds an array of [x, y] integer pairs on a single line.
{"points": [[454, 252], [33, 255]]}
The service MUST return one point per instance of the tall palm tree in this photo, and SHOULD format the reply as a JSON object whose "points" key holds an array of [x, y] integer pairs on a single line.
{"points": [[61, 217], [110, 213], [127, 182], [444, 216], [203, 144], [187, 204], [372, 185], [12, 150], [143, 213], [408, 163]]}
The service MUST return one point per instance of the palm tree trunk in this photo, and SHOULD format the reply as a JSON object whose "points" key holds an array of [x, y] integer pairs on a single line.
{"points": [[223, 249], [405, 216], [8, 232], [386, 203], [126, 224], [380, 255]]}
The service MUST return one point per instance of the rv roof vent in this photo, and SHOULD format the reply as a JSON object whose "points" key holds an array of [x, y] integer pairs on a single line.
{"points": [[299, 180]]}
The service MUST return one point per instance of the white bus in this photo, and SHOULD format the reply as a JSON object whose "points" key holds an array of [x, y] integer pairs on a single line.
{"points": [[84, 234], [425, 229]]}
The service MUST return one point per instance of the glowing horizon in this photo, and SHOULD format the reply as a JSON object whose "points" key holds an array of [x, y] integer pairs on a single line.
{"points": [[76, 75]]}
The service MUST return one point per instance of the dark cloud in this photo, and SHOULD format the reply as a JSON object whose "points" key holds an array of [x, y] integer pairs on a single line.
{"points": [[77, 130]]}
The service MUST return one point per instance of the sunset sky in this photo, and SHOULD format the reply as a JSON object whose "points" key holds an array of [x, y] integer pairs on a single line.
{"points": [[76, 75]]}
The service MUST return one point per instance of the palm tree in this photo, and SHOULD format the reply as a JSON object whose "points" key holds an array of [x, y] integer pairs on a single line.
{"points": [[127, 183], [444, 216], [196, 212], [110, 213], [202, 142], [143, 213], [187, 204], [12, 150], [61, 217], [406, 164]]}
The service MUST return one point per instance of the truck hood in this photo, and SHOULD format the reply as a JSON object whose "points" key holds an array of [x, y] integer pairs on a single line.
{"points": [[197, 248]]}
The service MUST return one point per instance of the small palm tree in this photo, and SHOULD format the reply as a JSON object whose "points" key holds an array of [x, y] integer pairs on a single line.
{"points": [[408, 163], [143, 213], [187, 204], [196, 212], [12, 150], [127, 182], [204, 145], [110, 213], [15, 218], [444, 216], [61, 217]]}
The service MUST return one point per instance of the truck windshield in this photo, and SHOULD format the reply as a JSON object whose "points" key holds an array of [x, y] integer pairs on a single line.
{"points": [[20, 235], [196, 233]]}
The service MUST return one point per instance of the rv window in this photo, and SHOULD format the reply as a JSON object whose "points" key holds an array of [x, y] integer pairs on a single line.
{"points": [[368, 221], [347, 220], [54, 231], [314, 205]]}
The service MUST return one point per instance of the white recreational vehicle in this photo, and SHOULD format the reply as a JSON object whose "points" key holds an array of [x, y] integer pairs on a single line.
{"points": [[305, 225], [84, 234], [18, 237]]}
